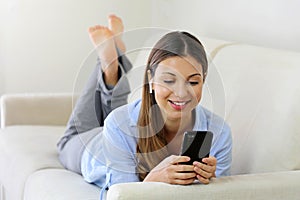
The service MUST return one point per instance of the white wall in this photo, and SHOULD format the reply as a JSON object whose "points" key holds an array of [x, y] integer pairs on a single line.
{"points": [[2, 41], [271, 23], [43, 43]]}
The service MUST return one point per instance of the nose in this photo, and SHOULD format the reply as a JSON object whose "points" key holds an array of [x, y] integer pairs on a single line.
{"points": [[181, 90]]}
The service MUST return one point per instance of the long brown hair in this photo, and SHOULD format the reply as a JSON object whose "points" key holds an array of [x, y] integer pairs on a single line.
{"points": [[151, 146]]}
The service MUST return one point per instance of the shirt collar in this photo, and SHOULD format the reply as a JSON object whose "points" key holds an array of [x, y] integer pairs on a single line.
{"points": [[200, 119]]}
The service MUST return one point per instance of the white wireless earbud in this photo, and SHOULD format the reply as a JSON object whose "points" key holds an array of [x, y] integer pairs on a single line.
{"points": [[150, 81], [150, 87]]}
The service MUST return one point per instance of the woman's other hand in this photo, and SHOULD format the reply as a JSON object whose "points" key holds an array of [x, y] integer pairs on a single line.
{"points": [[205, 170], [171, 171]]}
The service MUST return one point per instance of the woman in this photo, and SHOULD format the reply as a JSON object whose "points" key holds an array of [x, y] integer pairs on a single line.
{"points": [[141, 141]]}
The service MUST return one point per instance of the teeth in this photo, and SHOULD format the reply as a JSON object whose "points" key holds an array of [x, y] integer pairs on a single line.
{"points": [[179, 103]]}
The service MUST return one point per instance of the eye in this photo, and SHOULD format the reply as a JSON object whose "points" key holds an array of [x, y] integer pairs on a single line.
{"points": [[169, 81], [193, 83]]}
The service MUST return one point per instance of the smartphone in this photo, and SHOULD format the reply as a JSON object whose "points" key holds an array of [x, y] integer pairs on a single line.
{"points": [[196, 145]]}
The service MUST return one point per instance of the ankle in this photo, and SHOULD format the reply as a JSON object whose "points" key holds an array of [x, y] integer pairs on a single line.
{"points": [[111, 75]]}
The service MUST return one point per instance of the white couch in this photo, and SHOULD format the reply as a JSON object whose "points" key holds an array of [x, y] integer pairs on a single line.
{"points": [[256, 89]]}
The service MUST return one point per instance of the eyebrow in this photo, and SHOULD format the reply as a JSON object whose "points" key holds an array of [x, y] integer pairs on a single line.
{"points": [[190, 76]]}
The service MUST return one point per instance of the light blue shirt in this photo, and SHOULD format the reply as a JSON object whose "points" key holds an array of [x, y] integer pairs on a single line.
{"points": [[110, 157]]}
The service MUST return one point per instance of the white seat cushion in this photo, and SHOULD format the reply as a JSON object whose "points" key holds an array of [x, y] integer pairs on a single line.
{"points": [[259, 186], [24, 150], [59, 184]]}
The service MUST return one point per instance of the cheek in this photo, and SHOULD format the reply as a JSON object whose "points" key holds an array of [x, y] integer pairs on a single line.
{"points": [[161, 92], [198, 93]]}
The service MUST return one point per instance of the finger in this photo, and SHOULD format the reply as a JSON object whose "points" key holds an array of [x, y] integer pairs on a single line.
{"points": [[183, 181], [184, 168], [205, 167], [179, 159], [202, 179], [203, 173], [210, 161], [184, 176]]}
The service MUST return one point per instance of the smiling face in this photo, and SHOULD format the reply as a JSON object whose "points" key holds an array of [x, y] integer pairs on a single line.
{"points": [[178, 83]]}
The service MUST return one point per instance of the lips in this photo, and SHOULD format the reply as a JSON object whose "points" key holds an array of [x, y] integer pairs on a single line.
{"points": [[178, 105]]}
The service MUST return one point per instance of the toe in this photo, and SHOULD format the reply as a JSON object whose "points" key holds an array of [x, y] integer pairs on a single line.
{"points": [[98, 27], [91, 29]]}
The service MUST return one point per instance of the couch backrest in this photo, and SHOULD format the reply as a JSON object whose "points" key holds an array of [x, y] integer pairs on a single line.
{"points": [[256, 90], [262, 95], [36, 109]]}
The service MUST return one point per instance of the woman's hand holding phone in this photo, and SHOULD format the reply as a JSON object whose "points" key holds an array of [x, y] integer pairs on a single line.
{"points": [[193, 163], [205, 170], [170, 171]]}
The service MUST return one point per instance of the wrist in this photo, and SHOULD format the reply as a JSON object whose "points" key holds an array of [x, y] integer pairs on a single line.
{"points": [[150, 177], [147, 178]]}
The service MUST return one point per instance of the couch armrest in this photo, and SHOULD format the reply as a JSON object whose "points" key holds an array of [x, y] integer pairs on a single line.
{"points": [[279, 185], [35, 109]]}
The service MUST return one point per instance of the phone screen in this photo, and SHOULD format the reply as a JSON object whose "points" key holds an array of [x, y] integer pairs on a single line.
{"points": [[196, 145]]}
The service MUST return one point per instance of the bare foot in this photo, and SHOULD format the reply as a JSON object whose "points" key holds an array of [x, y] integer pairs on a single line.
{"points": [[116, 26], [102, 38]]}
